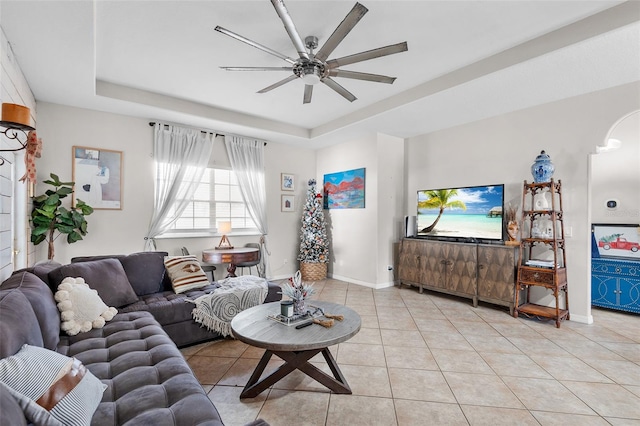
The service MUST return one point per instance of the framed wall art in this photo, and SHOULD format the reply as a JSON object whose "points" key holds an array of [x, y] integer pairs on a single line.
{"points": [[287, 203], [344, 190], [97, 174], [621, 241], [287, 182]]}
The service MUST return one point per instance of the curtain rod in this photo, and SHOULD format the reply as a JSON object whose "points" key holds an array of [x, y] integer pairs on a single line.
{"points": [[153, 123]]}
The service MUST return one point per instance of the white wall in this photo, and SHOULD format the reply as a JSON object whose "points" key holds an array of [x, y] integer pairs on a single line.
{"points": [[123, 231], [390, 205], [616, 175], [361, 240], [502, 149], [14, 203]]}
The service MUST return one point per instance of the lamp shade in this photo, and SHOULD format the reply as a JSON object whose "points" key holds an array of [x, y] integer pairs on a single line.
{"points": [[224, 227]]}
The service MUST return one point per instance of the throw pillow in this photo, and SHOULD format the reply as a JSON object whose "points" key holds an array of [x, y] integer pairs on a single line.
{"points": [[185, 273], [50, 387], [107, 276], [81, 309]]}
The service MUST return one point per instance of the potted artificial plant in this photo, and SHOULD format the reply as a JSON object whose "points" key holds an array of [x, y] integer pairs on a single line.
{"points": [[49, 216]]}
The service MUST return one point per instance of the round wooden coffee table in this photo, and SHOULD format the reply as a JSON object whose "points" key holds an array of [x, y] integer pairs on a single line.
{"points": [[295, 346]]}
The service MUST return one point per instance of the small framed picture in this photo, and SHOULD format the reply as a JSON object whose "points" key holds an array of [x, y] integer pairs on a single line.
{"points": [[288, 182], [287, 203], [616, 240]]}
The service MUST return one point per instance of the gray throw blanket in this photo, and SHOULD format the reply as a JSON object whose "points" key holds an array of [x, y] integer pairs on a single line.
{"points": [[216, 310]]}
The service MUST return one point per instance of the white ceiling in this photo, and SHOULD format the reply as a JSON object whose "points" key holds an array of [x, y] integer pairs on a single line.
{"points": [[467, 60]]}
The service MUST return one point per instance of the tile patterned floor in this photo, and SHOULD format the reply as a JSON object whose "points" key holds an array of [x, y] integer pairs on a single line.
{"points": [[432, 359]]}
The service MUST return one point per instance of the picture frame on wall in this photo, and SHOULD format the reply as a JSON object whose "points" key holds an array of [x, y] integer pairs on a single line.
{"points": [[619, 241], [287, 203], [344, 190], [97, 174], [287, 182]]}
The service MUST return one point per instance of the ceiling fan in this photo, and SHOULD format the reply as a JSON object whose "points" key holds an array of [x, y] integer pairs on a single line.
{"points": [[313, 68]]}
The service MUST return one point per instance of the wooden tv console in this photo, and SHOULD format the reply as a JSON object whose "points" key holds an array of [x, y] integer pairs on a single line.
{"points": [[485, 272]]}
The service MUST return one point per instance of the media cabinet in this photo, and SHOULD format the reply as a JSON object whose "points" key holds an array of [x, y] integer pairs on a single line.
{"points": [[480, 272]]}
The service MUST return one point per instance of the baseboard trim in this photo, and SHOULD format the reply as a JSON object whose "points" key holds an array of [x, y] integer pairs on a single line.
{"points": [[584, 319], [362, 283], [345, 279]]}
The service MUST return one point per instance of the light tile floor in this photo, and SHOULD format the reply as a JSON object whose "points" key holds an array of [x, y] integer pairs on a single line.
{"points": [[431, 359]]}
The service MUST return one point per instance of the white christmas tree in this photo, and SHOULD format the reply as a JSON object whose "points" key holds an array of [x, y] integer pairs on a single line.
{"points": [[314, 244]]}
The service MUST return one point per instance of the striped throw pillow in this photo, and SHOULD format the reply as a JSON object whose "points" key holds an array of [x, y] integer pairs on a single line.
{"points": [[185, 273], [51, 388]]}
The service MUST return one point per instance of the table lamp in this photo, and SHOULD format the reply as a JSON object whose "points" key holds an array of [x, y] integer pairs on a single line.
{"points": [[224, 228]]}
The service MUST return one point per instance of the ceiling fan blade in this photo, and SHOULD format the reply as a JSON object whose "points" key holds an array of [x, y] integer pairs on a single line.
{"points": [[278, 84], [369, 54], [254, 44], [341, 31], [341, 90], [308, 91], [283, 13], [257, 68], [362, 76]]}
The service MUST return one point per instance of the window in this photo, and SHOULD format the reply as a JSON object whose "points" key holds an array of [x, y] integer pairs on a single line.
{"points": [[216, 199]]}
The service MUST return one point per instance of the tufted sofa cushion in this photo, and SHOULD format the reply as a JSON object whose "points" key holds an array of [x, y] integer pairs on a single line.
{"points": [[149, 380], [168, 307]]}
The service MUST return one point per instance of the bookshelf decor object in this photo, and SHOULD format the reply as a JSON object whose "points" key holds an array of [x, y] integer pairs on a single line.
{"points": [[542, 261]]}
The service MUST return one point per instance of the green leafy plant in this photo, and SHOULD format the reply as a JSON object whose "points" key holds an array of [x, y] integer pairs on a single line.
{"points": [[49, 216]]}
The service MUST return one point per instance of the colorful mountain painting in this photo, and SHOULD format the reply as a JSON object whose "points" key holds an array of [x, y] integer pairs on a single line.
{"points": [[344, 190]]}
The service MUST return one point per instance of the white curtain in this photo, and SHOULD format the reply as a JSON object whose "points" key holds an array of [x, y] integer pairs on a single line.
{"points": [[247, 161], [181, 156]]}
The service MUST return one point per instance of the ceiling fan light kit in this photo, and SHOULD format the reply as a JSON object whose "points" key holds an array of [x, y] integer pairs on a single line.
{"points": [[316, 68]]}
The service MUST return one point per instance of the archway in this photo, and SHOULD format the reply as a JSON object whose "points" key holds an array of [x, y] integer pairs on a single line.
{"points": [[614, 191]]}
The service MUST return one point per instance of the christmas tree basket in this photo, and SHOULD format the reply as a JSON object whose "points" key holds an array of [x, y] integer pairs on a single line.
{"points": [[313, 271]]}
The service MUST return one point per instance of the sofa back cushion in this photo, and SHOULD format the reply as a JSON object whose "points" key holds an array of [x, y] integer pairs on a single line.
{"points": [[107, 276], [145, 270], [41, 269], [42, 302], [18, 322]]}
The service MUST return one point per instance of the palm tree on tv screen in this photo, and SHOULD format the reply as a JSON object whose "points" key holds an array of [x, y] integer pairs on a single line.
{"points": [[440, 199]]}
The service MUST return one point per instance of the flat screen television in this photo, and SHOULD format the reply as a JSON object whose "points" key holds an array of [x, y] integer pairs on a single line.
{"points": [[471, 213]]}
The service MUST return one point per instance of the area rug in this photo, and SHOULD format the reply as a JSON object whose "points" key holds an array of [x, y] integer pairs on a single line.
{"points": [[216, 310]]}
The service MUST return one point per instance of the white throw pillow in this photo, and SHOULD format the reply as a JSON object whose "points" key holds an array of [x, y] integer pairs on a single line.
{"points": [[51, 389], [81, 308], [185, 273]]}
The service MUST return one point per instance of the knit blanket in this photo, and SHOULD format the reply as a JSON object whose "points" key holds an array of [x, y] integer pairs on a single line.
{"points": [[216, 310]]}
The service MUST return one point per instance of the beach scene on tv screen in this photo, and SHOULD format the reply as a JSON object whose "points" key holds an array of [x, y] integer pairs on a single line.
{"points": [[472, 212]]}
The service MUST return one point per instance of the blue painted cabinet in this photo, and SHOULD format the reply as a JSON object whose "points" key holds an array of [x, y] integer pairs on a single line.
{"points": [[615, 284]]}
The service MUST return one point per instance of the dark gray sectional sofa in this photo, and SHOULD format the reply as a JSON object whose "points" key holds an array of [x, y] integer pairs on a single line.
{"points": [[146, 274], [135, 354]]}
